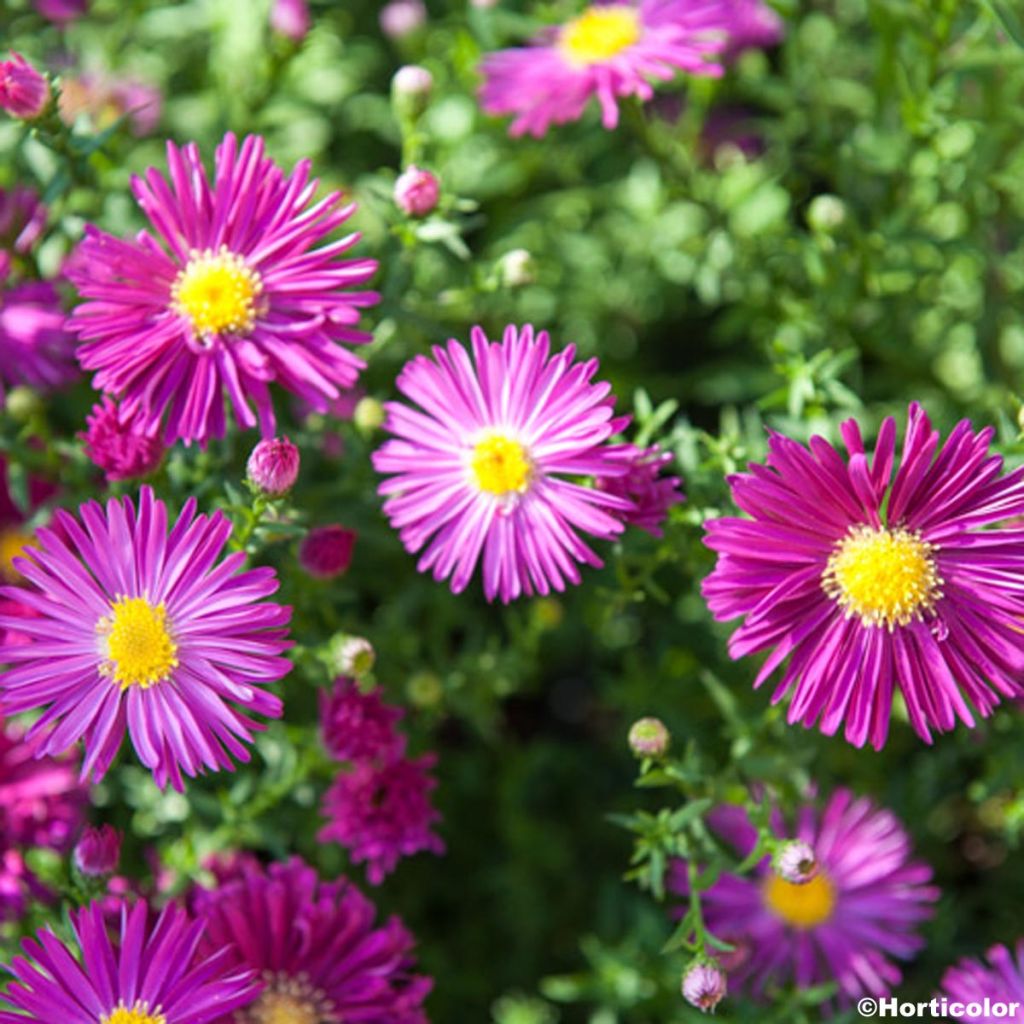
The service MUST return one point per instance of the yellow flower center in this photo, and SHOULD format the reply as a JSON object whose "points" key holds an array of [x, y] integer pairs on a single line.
{"points": [[501, 465], [138, 1014], [217, 291], [599, 34], [12, 544], [283, 1008], [140, 650], [886, 577], [800, 906]]}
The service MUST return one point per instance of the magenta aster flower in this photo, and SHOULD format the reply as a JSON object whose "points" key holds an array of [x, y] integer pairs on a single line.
{"points": [[35, 350], [144, 628], [650, 494], [98, 851], [317, 951], [24, 92], [116, 442], [609, 51], [148, 974], [846, 924], [869, 580], [1001, 980], [228, 296], [326, 551], [359, 726], [382, 812], [478, 469]]}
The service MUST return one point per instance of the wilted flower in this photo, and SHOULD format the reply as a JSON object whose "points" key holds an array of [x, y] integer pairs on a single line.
{"points": [[273, 466], [115, 441], [24, 92], [417, 191], [326, 551]]}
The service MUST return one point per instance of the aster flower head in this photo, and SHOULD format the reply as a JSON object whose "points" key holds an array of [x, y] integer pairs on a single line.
{"points": [[649, 737], [35, 350], [359, 726], [24, 92], [643, 485], [319, 953], [754, 25], [326, 551], [148, 973], [477, 472], [609, 51], [104, 99], [231, 293], [999, 980], [382, 811], [143, 628], [848, 923], [869, 579], [62, 11], [116, 442], [417, 191], [704, 985]]}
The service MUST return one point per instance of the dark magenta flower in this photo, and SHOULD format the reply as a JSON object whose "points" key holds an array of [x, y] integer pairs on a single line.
{"points": [[359, 726], [35, 350], [869, 580], [650, 493], [326, 551], [98, 851], [116, 442]]}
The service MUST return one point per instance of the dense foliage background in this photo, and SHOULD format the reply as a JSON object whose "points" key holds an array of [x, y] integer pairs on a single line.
{"points": [[860, 250]]}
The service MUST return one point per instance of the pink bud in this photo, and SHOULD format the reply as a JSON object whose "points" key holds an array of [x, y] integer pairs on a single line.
{"points": [[648, 737], [417, 191], [401, 18], [98, 851], [24, 92], [290, 18], [61, 11], [704, 985], [273, 466], [326, 551]]}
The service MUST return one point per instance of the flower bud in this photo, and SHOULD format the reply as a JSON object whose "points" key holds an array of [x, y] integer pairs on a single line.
{"points": [[22, 404], [368, 415], [352, 656], [648, 737], [704, 985], [795, 862], [410, 90], [273, 467], [826, 213], [483, 5], [401, 18], [24, 92], [417, 191], [517, 268], [98, 851], [61, 11], [326, 551], [425, 689], [290, 18]]}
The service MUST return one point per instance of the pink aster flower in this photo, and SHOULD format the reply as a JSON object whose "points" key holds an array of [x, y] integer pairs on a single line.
{"points": [[753, 26], [115, 441], [273, 466], [22, 218], [868, 580], [859, 912], [290, 18], [359, 726], [609, 51], [381, 812], [148, 972], [478, 471], [1001, 980], [62, 11], [326, 551], [230, 294], [35, 350], [24, 92], [643, 484], [319, 952], [704, 985], [143, 628], [41, 806]]}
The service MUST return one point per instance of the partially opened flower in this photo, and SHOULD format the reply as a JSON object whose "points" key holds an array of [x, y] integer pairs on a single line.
{"points": [[143, 628], [484, 468], [35, 350], [117, 443], [318, 950], [869, 580], [610, 51], [859, 912], [147, 973], [1000, 980], [233, 291], [644, 485]]}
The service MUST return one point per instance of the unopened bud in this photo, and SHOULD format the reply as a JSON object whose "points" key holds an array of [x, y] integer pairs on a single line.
{"points": [[273, 467], [648, 737], [98, 851], [826, 213], [352, 656], [368, 415], [401, 18], [326, 551], [417, 191], [24, 92], [22, 404], [704, 985], [795, 862], [517, 268], [410, 90]]}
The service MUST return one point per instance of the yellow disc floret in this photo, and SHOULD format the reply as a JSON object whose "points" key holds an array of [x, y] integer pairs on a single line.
{"points": [[599, 34], [140, 1013], [139, 648], [12, 544], [886, 577], [802, 906], [282, 1008], [501, 465], [217, 293]]}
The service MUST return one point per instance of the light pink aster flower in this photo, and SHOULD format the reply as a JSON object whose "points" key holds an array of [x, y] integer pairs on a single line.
{"points": [[382, 812], [230, 295], [478, 471], [142, 628], [609, 51]]}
